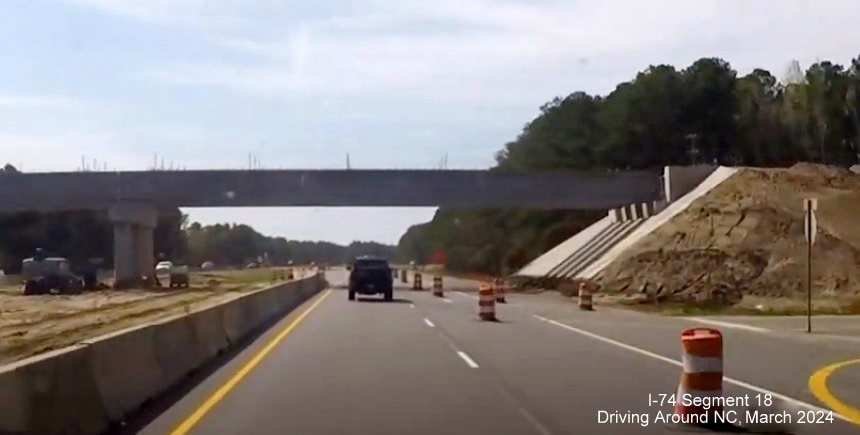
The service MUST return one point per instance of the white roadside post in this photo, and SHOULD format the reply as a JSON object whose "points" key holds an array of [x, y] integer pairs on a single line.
{"points": [[810, 228]]}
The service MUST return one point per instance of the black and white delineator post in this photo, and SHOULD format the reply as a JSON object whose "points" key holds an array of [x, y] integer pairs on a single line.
{"points": [[437, 287], [810, 228]]}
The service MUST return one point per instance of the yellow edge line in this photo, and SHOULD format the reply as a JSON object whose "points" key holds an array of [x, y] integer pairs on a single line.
{"points": [[818, 386], [228, 386]]}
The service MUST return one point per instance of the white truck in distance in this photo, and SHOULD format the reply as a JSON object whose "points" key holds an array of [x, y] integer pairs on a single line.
{"points": [[177, 276]]}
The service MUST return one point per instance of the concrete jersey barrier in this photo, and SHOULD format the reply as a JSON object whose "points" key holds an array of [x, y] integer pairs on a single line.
{"points": [[83, 388]]}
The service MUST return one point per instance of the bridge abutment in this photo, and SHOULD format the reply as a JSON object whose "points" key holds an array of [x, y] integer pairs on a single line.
{"points": [[134, 252], [680, 180]]}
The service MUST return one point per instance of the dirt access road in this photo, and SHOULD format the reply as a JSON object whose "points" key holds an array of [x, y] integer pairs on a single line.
{"points": [[30, 325]]}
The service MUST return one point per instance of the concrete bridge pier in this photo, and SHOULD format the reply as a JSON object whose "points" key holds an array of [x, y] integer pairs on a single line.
{"points": [[133, 243]]}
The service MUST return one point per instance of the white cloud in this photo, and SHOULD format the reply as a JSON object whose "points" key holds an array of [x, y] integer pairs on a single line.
{"points": [[169, 12], [45, 102], [481, 51]]}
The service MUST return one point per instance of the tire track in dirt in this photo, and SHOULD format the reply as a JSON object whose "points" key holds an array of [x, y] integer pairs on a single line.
{"points": [[59, 316], [22, 341]]}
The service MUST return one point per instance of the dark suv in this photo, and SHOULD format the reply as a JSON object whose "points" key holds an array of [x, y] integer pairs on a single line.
{"points": [[371, 276]]}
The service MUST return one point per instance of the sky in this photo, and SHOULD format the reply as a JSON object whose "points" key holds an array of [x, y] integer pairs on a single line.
{"points": [[122, 84]]}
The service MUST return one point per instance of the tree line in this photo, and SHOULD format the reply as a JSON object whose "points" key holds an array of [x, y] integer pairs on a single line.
{"points": [[77, 235], [238, 244], [704, 113]]}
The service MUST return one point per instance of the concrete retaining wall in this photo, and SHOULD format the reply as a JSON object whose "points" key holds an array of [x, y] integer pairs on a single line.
{"points": [[82, 388], [568, 258], [680, 180], [668, 212], [639, 210], [569, 254], [545, 263]]}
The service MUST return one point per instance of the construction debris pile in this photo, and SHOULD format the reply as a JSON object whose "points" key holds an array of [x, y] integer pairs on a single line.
{"points": [[745, 237]]}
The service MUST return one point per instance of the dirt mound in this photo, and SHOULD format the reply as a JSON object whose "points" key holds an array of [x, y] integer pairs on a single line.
{"points": [[745, 237]]}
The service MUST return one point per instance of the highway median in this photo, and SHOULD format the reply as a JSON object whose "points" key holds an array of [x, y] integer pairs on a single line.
{"points": [[86, 387]]}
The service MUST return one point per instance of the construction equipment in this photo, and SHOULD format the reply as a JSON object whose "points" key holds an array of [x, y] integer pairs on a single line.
{"points": [[50, 275], [177, 276], [89, 273]]}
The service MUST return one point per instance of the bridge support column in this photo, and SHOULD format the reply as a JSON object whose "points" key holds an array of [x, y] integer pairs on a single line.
{"points": [[134, 253], [124, 267], [144, 250]]}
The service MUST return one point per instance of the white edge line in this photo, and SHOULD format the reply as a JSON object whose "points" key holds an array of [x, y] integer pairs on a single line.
{"points": [[736, 382], [447, 301], [540, 428], [726, 324], [429, 323], [468, 360]]}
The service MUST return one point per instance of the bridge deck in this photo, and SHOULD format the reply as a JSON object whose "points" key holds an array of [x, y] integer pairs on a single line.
{"points": [[282, 188]]}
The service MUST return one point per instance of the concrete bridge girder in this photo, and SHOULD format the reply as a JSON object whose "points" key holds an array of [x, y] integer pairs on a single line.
{"points": [[134, 243], [329, 188]]}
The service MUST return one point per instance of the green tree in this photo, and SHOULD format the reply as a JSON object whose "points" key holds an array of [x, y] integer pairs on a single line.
{"points": [[237, 245], [664, 116]]}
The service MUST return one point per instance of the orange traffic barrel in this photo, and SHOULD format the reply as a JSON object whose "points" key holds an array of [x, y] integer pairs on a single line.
{"points": [[486, 302], [437, 286], [586, 300], [702, 377], [500, 290]]}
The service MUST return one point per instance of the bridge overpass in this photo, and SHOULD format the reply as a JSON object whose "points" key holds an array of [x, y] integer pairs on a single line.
{"points": [[133, 198], [327, 188]]}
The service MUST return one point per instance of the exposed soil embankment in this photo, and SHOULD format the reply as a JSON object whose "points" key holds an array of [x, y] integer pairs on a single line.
{"points": [[745, 237]]}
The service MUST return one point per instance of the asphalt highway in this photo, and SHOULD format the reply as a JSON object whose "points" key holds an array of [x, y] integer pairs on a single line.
{"points": [[427, 365]]}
